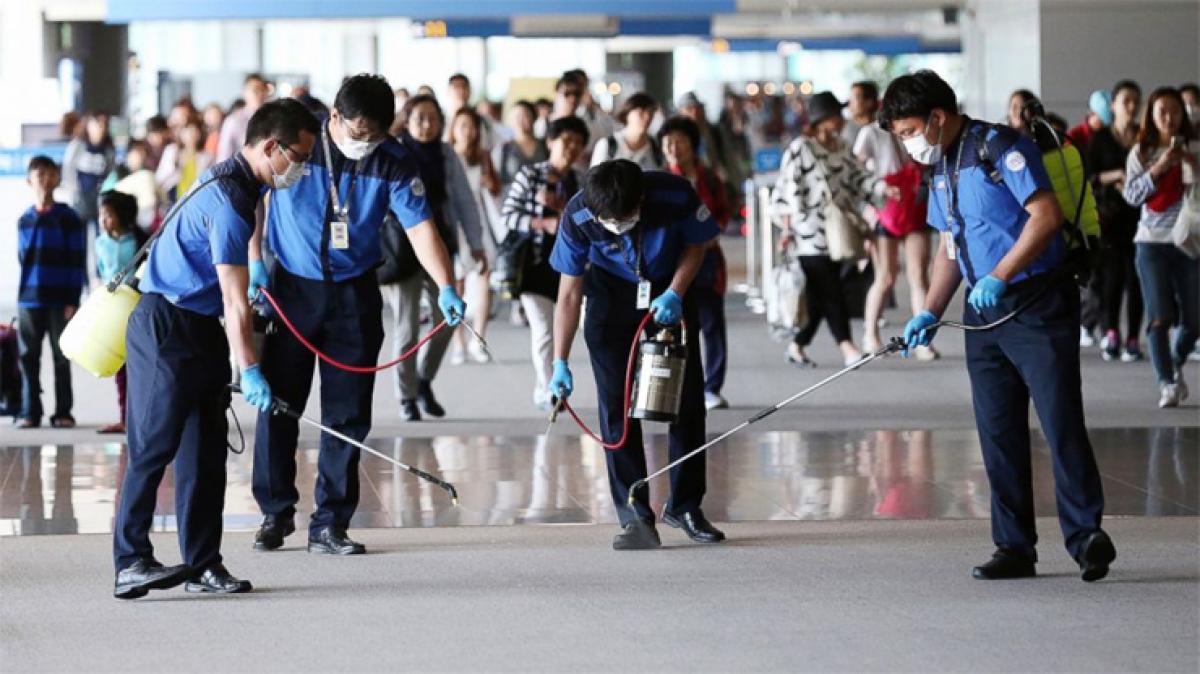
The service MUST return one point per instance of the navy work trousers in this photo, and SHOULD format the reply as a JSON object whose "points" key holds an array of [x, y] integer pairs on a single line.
{"points": [[1035, 355], [609, 327], [345, 321], [178, 375]]}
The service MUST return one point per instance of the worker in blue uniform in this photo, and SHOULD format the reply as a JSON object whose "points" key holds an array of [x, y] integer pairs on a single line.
{"points": [[1002, 230], [178, 356], [627, 237], [325, 235]]}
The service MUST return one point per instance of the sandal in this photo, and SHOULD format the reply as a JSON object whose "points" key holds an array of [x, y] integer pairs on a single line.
{"points": [[112, 429], [62, 421]]}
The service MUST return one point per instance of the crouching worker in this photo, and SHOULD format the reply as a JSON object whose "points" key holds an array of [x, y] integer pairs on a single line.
{"points": [[178, 357], [628, 237]]}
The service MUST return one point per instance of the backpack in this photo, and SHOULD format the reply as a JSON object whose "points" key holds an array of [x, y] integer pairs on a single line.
{"points": [[611, 146], [1083, 256]]}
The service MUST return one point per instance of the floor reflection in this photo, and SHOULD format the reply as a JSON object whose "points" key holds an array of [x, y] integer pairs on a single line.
{"points": [[502, 481]]}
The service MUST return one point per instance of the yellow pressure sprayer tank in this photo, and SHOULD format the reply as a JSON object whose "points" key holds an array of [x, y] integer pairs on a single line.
{"points": [[94, 339]]}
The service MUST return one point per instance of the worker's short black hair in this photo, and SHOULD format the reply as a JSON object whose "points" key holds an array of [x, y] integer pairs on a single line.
{"points": [[282, 120], [869, 88], [369, 96], [613, 189], [39, 162], [916, 95], [570, 124], [124, 206], [684, 125]]}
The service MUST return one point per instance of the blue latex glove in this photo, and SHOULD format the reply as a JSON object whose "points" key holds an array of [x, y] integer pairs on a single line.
{"points": [[917, 331], [258, 279], [255, 388], [986, 294], [452, 306], [561, 382], [667, 308]]}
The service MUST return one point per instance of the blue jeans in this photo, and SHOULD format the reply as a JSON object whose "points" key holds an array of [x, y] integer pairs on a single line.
{"points": [[1171, 288]]}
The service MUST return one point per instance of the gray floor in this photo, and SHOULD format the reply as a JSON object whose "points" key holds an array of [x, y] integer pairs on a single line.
{"points": [[784, 597]]}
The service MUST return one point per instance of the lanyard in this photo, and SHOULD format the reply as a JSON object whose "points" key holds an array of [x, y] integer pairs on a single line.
{"points": [[341, 210], [952, 181], [636, 266]]}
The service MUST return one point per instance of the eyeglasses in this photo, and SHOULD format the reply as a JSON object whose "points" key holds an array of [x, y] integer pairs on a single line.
{"points": [[291, 154]]}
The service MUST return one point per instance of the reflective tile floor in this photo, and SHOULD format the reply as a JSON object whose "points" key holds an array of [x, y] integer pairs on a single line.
{"points": [[917, 474]]}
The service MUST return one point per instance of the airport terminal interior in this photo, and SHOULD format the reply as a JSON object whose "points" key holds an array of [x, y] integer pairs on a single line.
{"points": [[871, 484]]}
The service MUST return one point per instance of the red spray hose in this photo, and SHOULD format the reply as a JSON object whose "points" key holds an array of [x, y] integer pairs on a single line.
{"points": [[338, 364], [633, 349]]}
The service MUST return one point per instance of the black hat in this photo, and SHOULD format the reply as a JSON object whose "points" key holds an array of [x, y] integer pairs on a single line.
{"points": [[822, 106]]}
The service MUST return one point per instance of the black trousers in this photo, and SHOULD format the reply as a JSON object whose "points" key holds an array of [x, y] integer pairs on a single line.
{"points": [[345, 321], [178, 371], [1121, 283], [1034, 356], [710, 306], [609, 330], [33, 326], [826, 299]]}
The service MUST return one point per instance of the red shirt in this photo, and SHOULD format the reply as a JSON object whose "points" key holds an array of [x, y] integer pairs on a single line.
{"points": [[711, 191]]}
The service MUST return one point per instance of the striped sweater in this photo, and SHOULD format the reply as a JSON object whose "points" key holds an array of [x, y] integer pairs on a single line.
{"points": [[51, 248]]}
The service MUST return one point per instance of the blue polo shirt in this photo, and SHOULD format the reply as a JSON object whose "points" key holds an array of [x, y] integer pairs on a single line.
{"points": [[298, 220], [989, 211], [672, 217], [213, 227]]}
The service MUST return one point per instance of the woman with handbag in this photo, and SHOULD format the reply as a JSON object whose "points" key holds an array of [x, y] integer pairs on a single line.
{"points": [[1161, 171], [531, 210], [820, 190], [901, 222]]}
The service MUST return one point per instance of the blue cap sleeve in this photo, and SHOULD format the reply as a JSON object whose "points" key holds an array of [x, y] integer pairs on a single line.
{"points": [[408, 199], [571, 246], [1023, 170], [229, 236]]}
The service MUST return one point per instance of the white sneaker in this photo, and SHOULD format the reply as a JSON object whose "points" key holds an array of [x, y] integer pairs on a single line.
{"points": [[1085, 337], [478, 354], [1169, 397], [1181, 388], [715, 401], [926, 353], [457, 357]]}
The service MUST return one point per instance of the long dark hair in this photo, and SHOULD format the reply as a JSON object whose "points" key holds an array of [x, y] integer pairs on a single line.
{"points": [[1148, 137]]}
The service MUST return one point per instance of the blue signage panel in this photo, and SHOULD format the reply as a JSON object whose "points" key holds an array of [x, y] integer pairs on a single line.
{"points": [[14, 161], [767, 159], [124, 11]]}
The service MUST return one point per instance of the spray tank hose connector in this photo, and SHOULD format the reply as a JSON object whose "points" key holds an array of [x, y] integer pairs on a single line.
{"points": [[357, 369], [633, 351]]}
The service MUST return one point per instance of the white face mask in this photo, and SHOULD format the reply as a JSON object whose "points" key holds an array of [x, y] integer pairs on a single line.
{"points": [[619, 227], [355, 149], [290, 176], [921, 150]]}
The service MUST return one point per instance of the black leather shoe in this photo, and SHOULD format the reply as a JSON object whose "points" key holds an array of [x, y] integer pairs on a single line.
{"points": [[332, 541], [137, 579], [1096, 554], [637, 535], [429, 404], [1005, 564], [272, 532], [696, 526], [216, 578], [409, 411]]}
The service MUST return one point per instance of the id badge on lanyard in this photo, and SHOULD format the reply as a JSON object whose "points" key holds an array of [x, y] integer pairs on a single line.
{"points": [[339, 232], [643, 295], [339, 227]]}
